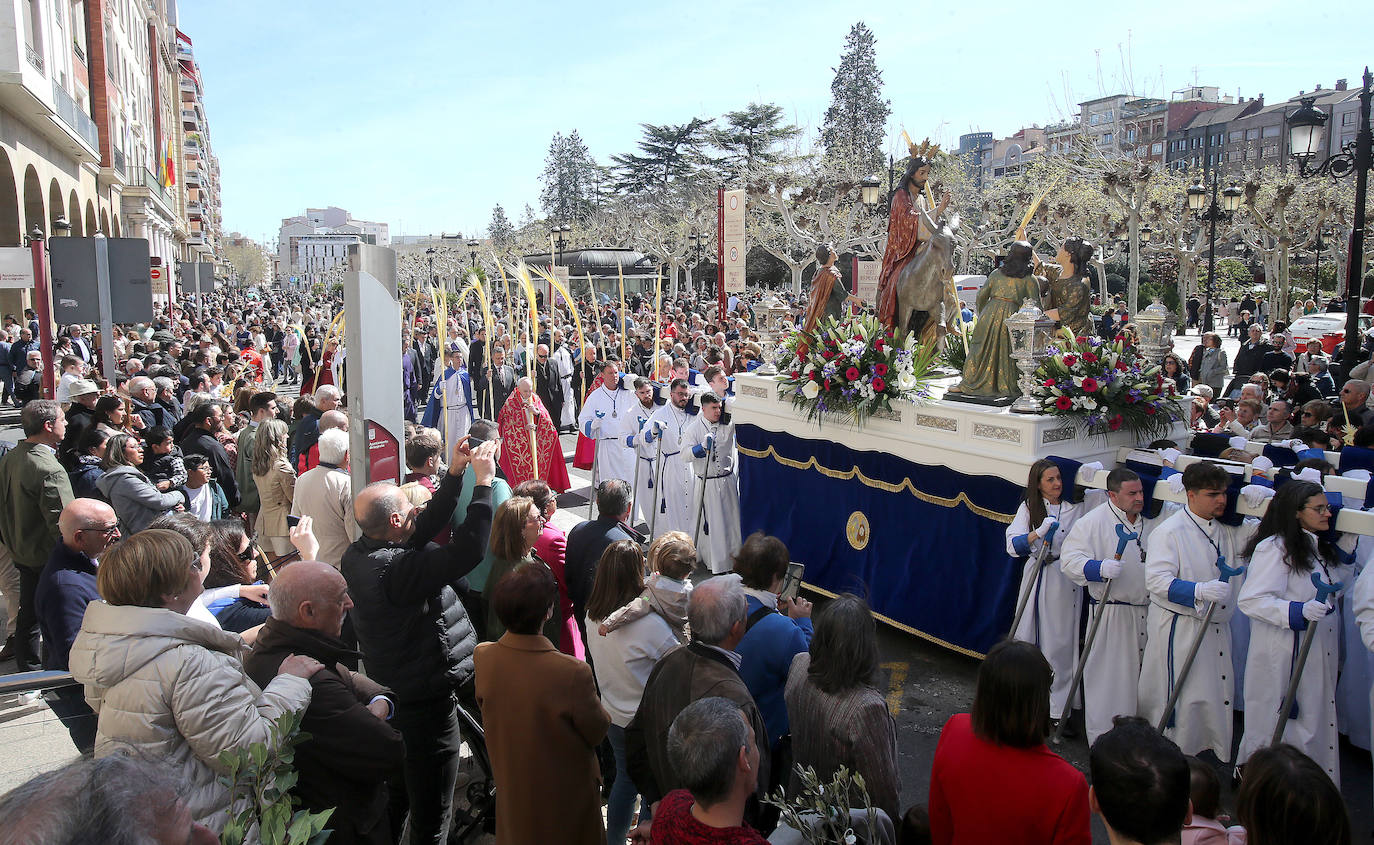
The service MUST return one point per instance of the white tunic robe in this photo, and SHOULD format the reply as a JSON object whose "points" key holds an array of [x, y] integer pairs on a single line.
{"points": [[563, 365], [1183, 552], [1362, 605], [1111, 675], [1050, 620], [603, 419], [673, 494], [645, 449], [1354, 690], [1272, 597], [719, 536]]}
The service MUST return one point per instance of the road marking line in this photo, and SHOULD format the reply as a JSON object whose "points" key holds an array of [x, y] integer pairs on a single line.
{"points": [[896, 678]]}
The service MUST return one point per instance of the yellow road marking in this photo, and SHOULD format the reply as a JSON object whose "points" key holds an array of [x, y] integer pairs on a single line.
{"points": [[897, 677]]}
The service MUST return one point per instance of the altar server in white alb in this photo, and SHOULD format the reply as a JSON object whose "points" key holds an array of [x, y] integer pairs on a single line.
{"points": [[673, 490], [604, 417], [1282, 601], [1050, 619], [1188, 560], [1106, 546], [450, 407], [1363, 608], [642, 441], [708, 445], [563, 366]]}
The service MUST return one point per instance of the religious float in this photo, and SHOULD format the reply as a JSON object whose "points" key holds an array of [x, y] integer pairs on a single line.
{"points": [[902, 493]]}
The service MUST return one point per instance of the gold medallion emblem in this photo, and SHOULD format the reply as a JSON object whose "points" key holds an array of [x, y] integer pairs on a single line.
{"points": [[856, 530]]}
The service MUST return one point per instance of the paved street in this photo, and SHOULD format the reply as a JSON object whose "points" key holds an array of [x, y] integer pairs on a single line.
{"points": [[925, 685]]}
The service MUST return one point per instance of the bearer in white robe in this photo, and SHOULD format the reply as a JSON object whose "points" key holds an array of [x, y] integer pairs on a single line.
{"points": [[1112, 671], [563, 366], [643, 442], [1362, 605], [673, 493], [1282, 603], [603, 419], [1183, 578], [1050, 620], [708, 445]]}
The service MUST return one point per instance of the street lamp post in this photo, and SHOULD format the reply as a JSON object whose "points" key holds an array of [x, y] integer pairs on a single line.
{"points": [[1209, 213], [472, 251], [699, 242], [1305, 138], [1317, 246], [430, 254], [558, 232]]}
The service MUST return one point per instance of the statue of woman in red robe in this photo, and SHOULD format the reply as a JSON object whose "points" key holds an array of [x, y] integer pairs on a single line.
{"points": [[905, 233]]}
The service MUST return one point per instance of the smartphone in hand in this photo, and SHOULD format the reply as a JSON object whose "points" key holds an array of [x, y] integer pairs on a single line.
{"points": [[791, 582]]}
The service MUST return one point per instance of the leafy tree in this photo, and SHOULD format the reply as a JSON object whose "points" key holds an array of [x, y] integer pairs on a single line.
{"points": [[570, 176], [855, 124], [666, 152], [750, 137], [500, 229]]}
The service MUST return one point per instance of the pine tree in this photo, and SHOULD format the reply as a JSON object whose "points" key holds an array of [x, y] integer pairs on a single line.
{"points": [[666, 153], [750, 136], [855, 124], [500, 230], [569, 179]]}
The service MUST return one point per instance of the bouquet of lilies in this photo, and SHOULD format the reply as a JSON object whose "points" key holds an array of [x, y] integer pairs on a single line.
{"points": [[854, 367], [1105, 386]]}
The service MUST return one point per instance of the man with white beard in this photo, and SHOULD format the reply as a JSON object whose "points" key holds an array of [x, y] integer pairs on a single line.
{"points": [[708, 445], [673, 491], [1095, 555], [1184, 575]]}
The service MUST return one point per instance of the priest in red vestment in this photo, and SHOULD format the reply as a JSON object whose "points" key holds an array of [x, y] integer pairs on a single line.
{"points": [[526, 430]]}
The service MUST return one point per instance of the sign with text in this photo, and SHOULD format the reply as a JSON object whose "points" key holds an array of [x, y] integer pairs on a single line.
{"points": [[866, 280], [159, 277], [16, 267], [733, 247]]}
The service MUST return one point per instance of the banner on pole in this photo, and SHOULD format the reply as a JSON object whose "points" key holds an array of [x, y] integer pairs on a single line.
{"points": [[733, 247], [16, 267]]}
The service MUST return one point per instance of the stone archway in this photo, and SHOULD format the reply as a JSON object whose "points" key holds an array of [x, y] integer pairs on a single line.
{"points": [[74, 214], [34, 212], [105, 223], [117, 232], [11, 230], [56, 209], [90, 219]]}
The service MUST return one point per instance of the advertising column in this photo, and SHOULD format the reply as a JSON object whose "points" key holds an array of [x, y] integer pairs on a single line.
{"points": [[372, 360]]}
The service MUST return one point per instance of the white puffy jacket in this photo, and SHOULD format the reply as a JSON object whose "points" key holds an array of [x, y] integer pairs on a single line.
{"points": [[171, 687]]}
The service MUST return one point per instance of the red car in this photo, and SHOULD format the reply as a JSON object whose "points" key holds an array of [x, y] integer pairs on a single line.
{"points": [[1328, 328]]}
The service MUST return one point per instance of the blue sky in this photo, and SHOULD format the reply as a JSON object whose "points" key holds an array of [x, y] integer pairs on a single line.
{"points": [[425, 115]]}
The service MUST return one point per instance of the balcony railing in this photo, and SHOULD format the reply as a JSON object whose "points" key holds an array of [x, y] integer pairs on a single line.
{"points": [[117, 161], [34, 58], [79, 121], [154, 186]]}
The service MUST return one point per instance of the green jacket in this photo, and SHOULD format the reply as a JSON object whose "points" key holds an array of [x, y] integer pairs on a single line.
{"points": [[243, 470], [35, 489], [500, 491]]}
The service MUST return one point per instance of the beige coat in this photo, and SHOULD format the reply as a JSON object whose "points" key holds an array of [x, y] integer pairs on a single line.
{"points": [[170, 687], [275, 490], [326, 496]]}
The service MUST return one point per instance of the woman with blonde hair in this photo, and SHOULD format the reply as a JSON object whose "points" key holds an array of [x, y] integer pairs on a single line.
{"points": [[169, 687], [276, 482], [515, 528]]}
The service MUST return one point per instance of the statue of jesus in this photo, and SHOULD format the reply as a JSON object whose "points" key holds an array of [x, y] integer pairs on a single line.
{"points": [[909, 225]]}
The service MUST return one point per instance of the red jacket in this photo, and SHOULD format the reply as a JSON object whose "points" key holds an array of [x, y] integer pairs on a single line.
{"points": [[981, 792]]}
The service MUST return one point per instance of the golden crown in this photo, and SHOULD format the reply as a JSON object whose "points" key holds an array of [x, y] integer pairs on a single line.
{"points": [[924, 150]]}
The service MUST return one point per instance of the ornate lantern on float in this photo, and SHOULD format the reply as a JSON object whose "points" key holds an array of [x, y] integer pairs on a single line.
{"points": [[769, 316], [1030, 333], [1156, 325]]}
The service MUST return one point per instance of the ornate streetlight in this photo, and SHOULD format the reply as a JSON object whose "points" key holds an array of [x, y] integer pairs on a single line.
{"points": [[559, 241], [1210, 213], [1305, 140], [472, 251], [868, 190]]}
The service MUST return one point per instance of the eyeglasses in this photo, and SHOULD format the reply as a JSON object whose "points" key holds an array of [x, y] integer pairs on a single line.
{"points": [[107, 530], [247, 554], [1317, 508]]}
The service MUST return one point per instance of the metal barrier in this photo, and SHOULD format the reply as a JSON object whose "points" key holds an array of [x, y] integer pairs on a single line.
{"points": [[22, 682]]}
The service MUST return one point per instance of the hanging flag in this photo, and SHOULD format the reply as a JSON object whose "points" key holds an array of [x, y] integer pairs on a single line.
{"points": [[169, 171]]}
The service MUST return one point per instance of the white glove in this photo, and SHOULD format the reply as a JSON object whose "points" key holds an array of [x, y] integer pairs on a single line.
{"points": [[709, 442], [1238, 442], [1261, 464], [1255, 494], [1311, 474], [660, 426], [1088, 471], [1110, 569], [1175, 482], [1295, 444], [1212, 591], [1045, 526], [1171, 455], [1315, 611]]}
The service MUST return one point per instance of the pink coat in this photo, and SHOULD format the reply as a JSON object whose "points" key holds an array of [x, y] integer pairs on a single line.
{"points": [[551, 546], [1204, 831]]}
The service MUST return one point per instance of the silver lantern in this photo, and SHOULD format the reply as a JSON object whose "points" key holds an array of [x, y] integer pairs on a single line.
{"points": [[1030, 333], [1156, 325], [769, 316]]}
